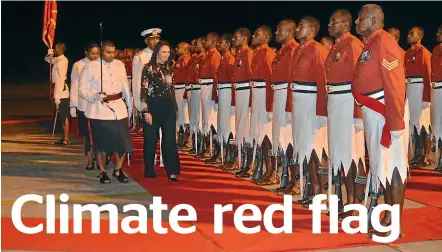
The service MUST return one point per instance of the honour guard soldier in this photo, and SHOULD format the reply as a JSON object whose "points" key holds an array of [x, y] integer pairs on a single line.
{"points": [[60, 89], [207, 80], [309, 107], [281, 124], [261, 101], [103, 83], [226, 119], [345, 126], [78, 104], [397, 35], [242, 75], [436, 98], [378, 81], [182, 52], [194, 87], [418, 71]]}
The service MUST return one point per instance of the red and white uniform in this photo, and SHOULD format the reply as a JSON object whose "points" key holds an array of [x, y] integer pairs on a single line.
{"points": [[223, 96], [242, 75], [262, 96], [207, 79], [345, 126], [179, 73], [309, 106], [436, 92], [418, 71], [281, 77], [378, 85]]}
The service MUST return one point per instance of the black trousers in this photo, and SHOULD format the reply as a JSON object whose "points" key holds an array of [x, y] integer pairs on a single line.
{"points": [[163, 117], [83, 129]]}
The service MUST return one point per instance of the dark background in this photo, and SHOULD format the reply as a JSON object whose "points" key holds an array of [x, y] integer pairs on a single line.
{"points": [[23, 50]]}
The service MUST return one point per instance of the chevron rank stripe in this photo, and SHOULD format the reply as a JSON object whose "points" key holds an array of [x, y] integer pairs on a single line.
{"points": [[390, 65]]}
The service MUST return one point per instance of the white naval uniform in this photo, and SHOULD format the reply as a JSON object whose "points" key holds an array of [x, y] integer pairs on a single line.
{"points": [[59, 76], [138, 63], [114, 82], [77, 101]]}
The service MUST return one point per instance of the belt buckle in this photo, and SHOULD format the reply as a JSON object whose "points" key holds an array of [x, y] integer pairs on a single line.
{"points": [[192, 85], [199, 81], [433, 84], [293, 86], [273, 87], [408, 81], [235, 85], [329, 89], [252, 84]]}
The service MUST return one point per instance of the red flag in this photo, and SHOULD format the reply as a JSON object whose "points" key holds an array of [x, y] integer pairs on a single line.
{"points": [[49, 22]]}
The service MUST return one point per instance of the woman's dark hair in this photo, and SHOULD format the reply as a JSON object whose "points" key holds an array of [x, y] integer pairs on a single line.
{"points": [[156, 50]]}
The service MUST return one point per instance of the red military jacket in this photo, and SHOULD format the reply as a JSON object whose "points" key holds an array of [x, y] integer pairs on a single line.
{"points": [[281, 67], [209, 66], [262, 71], [381, 66], [341, 62], [192, 70], [436, 64], [418, 64], [242, 69], [179, 69], [308, 65], [224, 74]]}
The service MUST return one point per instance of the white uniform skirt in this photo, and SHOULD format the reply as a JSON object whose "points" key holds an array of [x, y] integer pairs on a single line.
{"points": [[419, 115], [226, 118], [182, 104], [260, 125], [436, 109], [195, 108], [306, 135], [207, 105], [383, 160], [345, 144], [281, 123], [242, 112]]}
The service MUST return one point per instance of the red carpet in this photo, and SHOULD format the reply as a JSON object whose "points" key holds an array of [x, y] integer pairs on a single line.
{"points": [[202, 186], [425, 186]]}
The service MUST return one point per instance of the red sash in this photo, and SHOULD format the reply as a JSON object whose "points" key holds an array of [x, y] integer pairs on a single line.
{"points": [[377, 106]]}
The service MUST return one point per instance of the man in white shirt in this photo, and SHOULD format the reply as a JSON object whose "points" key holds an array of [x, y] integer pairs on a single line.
{"points": [[60, 89], [78, 104], [103, 83]]}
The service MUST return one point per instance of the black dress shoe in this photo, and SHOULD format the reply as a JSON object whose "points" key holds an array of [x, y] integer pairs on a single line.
{"points": [[173, 178], [120, 177], [104, 178]]}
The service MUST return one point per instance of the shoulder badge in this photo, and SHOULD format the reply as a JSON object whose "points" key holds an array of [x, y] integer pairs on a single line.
{"points": [[365, 56]]}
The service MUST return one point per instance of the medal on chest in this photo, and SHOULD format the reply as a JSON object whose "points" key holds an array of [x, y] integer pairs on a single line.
{"points": [[337, 57], [239, 63], [365, 56]]}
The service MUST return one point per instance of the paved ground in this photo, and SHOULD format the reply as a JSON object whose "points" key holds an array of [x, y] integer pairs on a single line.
{"points": [[30, 163]]}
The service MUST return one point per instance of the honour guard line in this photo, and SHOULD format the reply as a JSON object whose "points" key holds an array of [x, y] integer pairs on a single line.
{"points": [[301, 118]]}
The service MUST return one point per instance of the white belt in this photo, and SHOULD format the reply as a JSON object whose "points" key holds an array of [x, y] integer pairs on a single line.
{"points": [[241, 85], [378, 95], [180, 86], [339, 89], [257, 84], [195, 86], [436, 84], [280, 86], [206, 81], [303, 88], [415, 80], [224, 85]]}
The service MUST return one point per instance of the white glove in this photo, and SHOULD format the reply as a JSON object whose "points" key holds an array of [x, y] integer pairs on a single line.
{"points": [[425, 105], [232, 110], [359, 124], [57, 101], [73, 112], [321, 122], [98, 97], [269, 116], [50, 52], [396, 134], [288, 117]]}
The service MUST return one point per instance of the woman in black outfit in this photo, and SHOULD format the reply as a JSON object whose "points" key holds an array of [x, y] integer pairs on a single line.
{"points": [[159, 110]]}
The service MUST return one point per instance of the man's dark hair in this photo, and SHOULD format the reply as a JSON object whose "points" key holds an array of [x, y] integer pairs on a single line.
{"points": [[244, 32], [108, 43], [214, 35], [292, 22], [227, 36], [420, 30], [347, 16], [313, 23], [90, 46], [61, 46], [267, 30]]}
